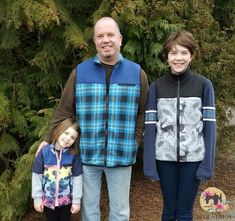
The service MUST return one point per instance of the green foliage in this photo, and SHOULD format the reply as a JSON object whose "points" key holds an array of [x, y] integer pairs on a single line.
{"points": [[8, 144], [9, 38], [17, 192], [15, 188], [42, 41], [4, 111]]}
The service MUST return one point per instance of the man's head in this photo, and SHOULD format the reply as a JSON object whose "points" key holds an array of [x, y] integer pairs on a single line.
{"points": [[107, 39]]}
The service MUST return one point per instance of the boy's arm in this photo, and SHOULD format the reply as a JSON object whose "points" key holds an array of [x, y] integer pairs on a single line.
{"points": [[150, 168], [141, 108], [206, 168]]}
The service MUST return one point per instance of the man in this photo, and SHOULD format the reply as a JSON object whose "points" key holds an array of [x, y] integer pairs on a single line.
{"points": [[107, 94]]}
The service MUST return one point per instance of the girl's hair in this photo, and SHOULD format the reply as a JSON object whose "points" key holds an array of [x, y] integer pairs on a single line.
{"points": [[182, 38], [63, 126]]}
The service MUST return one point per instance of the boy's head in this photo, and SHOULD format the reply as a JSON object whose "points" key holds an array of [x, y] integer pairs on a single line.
{"points": [[179, 50], [182, 38]]}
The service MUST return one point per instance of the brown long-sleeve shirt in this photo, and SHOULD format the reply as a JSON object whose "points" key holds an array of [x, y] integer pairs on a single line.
{"points": [[66, 107]]}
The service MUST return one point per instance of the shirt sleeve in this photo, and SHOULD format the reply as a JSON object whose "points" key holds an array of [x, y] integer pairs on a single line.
{"points": [[141, 108], [77, 180], [77, 189], [37, 192], [206, 168], [77, 165], [150, 132], [38, 166], [66, 107]]}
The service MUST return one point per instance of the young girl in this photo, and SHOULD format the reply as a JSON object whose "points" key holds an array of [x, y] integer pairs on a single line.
{"points": [[57, 174], [180, 129]]}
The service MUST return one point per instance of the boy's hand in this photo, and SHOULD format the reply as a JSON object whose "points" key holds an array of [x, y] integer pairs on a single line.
{"points": [[75, 208], [42, 144], [38, 207]]}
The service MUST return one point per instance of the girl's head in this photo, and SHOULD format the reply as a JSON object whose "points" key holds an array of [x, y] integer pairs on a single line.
{"points": [[66, 134], [179, 50]]}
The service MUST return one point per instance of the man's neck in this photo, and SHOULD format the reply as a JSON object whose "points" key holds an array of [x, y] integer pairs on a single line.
{"points": [[112, 61]]}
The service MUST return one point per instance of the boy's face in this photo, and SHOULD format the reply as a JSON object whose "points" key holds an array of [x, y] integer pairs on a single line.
{"points": [[66, 139], [179, 59]]}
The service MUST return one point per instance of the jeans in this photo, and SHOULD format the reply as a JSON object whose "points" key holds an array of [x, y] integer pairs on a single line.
{"points": [[179, 188], [118, 183]]}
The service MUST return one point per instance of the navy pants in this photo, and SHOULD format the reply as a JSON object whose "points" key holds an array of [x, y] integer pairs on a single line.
{"points": [[179, 188]]}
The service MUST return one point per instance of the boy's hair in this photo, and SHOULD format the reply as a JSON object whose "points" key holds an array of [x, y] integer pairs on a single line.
{"points": [[63, 126], [182, 38]]}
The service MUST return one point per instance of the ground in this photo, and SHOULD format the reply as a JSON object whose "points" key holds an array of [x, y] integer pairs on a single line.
{"points": [[146, 199]]}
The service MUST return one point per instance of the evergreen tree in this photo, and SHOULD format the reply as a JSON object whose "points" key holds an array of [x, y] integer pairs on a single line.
{"points": [[41, 41]]}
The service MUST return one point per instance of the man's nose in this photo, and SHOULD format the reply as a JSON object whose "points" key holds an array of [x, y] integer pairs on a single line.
{"points": [[105, 38]]}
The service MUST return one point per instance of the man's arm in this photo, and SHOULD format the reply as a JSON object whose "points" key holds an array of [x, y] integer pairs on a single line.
{"points": [[66, 107], [141, 109]]}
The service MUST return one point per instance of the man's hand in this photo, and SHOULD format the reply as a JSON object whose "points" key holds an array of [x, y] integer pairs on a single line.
{"points": [[38, 207], [42, 144], [75, 208]]}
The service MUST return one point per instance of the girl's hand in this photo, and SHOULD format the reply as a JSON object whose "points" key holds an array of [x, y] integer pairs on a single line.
{"points": [[38, 207], [75, 208]]}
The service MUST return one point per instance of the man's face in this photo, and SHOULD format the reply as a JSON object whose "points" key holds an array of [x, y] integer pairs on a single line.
{"points": [[108, 40]]}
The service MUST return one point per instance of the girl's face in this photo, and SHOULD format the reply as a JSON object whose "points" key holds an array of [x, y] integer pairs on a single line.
{"points": [[179, 59], [66, 139]]}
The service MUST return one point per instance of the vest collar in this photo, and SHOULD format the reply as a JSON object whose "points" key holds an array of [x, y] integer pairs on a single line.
{"points": [[97, 58]]}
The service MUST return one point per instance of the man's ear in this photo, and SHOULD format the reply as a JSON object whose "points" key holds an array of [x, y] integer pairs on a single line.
{"points": [[121, 40]]}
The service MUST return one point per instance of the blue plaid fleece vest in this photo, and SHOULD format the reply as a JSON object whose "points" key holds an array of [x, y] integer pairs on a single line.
{"points": [[107, 122]]}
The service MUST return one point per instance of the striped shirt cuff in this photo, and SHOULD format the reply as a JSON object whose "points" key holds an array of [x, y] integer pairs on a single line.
{"points": [[150, 117], [208, 114]]}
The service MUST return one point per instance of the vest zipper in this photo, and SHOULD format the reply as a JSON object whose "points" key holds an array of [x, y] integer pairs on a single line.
{"points": [[178, 120], [108, 73], [57, 177], [106, 126]]}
